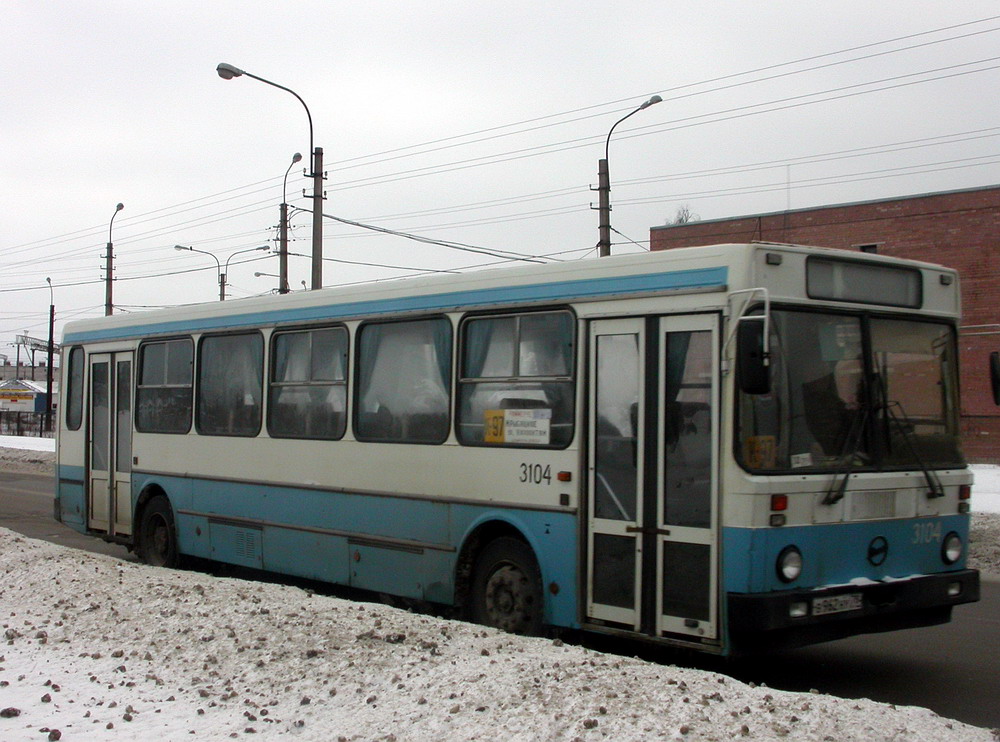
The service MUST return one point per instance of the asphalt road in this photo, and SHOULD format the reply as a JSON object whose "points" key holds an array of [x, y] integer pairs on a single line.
{"points": [[953, 669]]}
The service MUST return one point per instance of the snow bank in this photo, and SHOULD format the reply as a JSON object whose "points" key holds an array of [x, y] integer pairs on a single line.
{"points": [[26, 443], [99, 649]]}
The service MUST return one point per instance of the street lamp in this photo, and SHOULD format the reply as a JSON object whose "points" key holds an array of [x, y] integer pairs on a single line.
{"points": [[218, 264], [233, 255], [228, 72], [109, 266], [48, 367], [283, 231], [604, 185]]}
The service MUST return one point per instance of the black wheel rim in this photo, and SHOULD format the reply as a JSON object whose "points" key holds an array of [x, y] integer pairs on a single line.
{"points": [[509, 600], [159, 549]]}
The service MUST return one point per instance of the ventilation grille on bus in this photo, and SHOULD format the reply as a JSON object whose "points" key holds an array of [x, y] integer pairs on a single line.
{"points": [[872, 505]]}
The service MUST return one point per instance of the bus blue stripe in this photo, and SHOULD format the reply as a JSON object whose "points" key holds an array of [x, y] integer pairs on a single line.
{"points": [[836, 553], [496, 296]]}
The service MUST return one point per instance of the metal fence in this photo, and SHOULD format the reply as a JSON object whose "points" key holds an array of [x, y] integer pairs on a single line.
{"points": [[24, 423]]}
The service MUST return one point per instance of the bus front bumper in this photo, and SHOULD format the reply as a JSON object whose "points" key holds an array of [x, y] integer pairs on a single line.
{"points": [[764, 621]]}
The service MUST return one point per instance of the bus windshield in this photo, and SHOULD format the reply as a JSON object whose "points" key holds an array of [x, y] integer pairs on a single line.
{"points": [[853, 391]]}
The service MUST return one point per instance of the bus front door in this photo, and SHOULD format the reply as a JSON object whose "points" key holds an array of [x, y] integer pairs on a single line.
{"points": [[652, 512], [109, 500]]}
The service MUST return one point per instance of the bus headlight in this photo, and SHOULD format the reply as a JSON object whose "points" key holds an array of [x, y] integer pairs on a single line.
{"points": [[951, 548], [789, 565]]}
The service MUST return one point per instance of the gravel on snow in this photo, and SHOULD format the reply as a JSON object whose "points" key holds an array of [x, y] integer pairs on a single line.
{"points": [[96, 648]]}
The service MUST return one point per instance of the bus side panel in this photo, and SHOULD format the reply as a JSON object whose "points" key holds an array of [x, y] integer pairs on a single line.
{"points": [[398, 545], [553, 538], [71, 497], [837, 554]]}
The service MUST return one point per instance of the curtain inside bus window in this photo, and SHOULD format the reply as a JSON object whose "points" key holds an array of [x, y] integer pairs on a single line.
{"points": [[329, 355], [489, 348], [230, 375], [308, 389], [546, 345], [403, 390]]}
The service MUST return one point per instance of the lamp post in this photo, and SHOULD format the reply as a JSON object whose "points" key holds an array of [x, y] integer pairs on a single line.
{"points": [[48, 367], [218, 264], [228, 72], [604, 185], [283, 231], [233, 255], [109, 266], [260, 274]]}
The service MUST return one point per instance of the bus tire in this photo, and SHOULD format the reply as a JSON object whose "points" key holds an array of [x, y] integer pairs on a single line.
{"points": [[507, 588], [157, 535]]}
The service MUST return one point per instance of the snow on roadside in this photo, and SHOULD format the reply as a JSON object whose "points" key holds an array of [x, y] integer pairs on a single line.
{"points": [[99, 649], [27, 443]]}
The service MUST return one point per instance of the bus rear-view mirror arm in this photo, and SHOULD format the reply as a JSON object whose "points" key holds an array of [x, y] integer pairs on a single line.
{"points": [[753, 367]]}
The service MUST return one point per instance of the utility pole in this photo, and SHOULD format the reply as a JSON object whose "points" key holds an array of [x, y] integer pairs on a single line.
{"points": [[109, 266], [604, 208], [317, 236], [283, 250], [48, 365]]}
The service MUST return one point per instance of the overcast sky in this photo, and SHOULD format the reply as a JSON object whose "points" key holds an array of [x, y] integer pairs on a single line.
{"points": [[465, 122]]}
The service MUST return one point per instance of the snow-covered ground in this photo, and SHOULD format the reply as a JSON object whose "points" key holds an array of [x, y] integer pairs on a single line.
{"points": [[94, 648], [26, 443]]}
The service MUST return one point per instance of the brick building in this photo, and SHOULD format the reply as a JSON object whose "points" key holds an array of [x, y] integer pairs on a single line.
{"points": [[960, 229]]}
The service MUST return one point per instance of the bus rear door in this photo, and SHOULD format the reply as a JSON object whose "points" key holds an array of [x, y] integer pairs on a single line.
{"points": [[109, 500]]}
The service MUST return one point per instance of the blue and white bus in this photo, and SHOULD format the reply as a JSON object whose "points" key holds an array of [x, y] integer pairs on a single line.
{"points": [[726, 448]]}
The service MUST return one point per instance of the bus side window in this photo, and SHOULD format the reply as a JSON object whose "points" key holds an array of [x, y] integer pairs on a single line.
{"points": [[164, 390], [307, 390], [404, 381], [230, 381], [516, 380], [74, 392]]}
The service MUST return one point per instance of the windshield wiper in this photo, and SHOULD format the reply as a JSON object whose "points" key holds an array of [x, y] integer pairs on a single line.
{"points": [[850, 452], [906, 433]]}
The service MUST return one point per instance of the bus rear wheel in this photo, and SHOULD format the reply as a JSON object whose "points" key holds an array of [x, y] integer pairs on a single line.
{"points": [[507, 588], [157, 535]]}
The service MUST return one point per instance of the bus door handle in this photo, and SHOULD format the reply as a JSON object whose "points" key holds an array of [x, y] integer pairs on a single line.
{"points": [[648, 531]]}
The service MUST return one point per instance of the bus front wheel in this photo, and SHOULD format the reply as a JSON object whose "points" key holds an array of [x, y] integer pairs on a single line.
{"points": [[157, 535], [507, 588]]}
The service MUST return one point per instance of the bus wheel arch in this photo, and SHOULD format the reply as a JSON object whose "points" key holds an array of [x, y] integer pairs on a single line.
{"points": [[499, 580], [156, 535]]}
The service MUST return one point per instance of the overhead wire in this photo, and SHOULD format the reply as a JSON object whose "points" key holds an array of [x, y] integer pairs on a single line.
{"points": [[243, 210]]}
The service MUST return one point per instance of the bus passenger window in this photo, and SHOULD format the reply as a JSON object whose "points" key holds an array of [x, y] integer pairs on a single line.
{"points": [[308, 387], [404, 389], [516, 380], [74, 392], [230, 377], [163, 397]]}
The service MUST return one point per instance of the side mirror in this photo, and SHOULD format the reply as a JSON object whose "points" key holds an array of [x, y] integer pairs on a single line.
{"points": [[995, 376], [753, 374]]}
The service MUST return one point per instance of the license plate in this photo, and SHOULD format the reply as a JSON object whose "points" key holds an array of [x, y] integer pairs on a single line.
{"points": [[837, 604]]}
